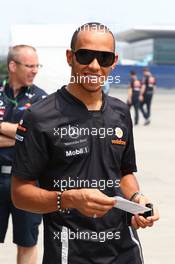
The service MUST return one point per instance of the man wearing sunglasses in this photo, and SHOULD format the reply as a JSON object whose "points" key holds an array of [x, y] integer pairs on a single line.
{"points": [[79, 145], [17, 93]]}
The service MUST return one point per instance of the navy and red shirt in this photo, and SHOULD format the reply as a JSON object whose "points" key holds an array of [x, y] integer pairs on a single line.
{"points": [[12, 110], [150, 84]]}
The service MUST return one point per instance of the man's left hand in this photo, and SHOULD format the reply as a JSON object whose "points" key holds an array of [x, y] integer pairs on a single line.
{"points": [[138, 221]]}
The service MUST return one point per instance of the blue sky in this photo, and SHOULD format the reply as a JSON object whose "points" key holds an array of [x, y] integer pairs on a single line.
{"points": [[123, 14]]}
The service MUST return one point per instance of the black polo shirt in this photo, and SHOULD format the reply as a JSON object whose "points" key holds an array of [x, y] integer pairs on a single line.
{"points": [[12, 109], [149, 86], [63, 145]]}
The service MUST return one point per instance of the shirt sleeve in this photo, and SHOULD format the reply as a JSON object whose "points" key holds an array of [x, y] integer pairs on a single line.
{"points": [[128, 164], [31, 154], [41, 94]]}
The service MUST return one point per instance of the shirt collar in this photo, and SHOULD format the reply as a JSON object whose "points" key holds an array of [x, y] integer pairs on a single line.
{"points": [[72, 99], [9, 91]]}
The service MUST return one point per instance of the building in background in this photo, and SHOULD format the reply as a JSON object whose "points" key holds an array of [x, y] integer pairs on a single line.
{"points": [[51, 42], [151, 45], [138, 47]]}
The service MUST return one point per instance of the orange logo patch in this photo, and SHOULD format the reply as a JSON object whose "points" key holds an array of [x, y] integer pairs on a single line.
{"points": [[118, 142]]}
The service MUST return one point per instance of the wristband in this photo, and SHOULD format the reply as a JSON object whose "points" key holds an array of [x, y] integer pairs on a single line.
{"points": [[134, 195], [59, 197]]}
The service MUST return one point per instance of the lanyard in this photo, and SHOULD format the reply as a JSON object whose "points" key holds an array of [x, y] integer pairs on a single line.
{"points": [[13, 101]]}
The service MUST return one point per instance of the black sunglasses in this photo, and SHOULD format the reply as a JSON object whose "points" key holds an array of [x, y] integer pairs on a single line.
{"points": [[86, 56]]}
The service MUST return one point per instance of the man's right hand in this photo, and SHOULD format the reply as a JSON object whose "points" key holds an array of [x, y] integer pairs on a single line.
{"points": [[141, 98], [89, 202]]}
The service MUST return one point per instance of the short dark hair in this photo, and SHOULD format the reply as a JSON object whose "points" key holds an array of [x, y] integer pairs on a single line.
{"points": [[132, 73], [87, 26]]}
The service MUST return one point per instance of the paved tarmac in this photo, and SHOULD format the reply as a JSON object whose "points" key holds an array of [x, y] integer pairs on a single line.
{"points": [[155, 146]]}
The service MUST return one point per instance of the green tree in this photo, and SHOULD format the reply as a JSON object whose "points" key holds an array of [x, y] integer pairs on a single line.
{"points": [[3, 70]]}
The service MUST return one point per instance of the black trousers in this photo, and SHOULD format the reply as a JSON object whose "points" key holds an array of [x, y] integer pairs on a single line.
{"points": [[136, 105], [145, 106]]}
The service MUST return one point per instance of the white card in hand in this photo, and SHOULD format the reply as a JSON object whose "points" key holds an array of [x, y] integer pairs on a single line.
{"points": [[131, 207]]}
